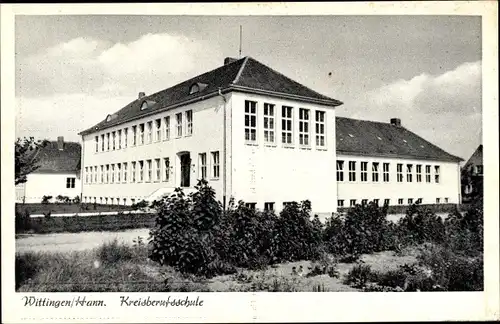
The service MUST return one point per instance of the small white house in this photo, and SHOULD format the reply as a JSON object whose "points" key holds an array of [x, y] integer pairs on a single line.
{"points": [[58, 174]]}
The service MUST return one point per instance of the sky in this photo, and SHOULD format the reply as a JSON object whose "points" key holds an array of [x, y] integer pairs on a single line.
{"points": [[71, 71]]}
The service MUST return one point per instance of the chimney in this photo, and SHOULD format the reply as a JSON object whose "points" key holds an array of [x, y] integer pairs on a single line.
{"points": [[229, 60], [60, 143], [142, 94], [396, 122]]}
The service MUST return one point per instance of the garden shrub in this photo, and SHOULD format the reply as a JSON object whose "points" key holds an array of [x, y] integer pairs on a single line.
{"points": [[113, 252], [23, 221], [46, 199], [420, 225], [359, 275], [408, 277], [26, 267], [452, 271], [296, 235], [464, 234]]}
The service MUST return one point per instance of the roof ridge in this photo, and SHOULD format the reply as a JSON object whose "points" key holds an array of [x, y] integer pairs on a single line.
{"points": [[242, 67], [290, 79]]}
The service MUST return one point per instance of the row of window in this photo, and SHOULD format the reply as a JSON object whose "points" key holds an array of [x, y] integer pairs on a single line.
{"points": [[387, 202], [109, 200], [145, 133], [288, 127], [158, 169], [375, 172]]}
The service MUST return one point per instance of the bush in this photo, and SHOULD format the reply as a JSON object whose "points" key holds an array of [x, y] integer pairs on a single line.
{"points": [[297, 236], [76, 200], [46, 199], [420, 225], [365, 229], [407, 278], [63, 199], [141, 205], [113, 252], [23, 221], [464, 234], [183, 236], [451, 271], [26, 267], [359, 276]]}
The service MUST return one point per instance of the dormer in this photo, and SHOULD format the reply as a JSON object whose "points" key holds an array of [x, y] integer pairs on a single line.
{"points": [[197, 87], [110, 117], [147, 104]]}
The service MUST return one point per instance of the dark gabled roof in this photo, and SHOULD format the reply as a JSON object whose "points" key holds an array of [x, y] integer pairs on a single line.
{"points": [[246, 75], [52, 160], [369, 138], [476, 158]]}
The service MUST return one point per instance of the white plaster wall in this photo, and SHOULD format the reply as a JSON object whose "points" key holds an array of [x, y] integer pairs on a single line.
{"points": [[50, 184], [206, 137], [279, 174], [448, 187]]}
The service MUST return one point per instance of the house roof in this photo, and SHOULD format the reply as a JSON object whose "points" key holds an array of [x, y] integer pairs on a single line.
{"points": [[476, 158], [369, 138], [246, 75], [53, 160]]}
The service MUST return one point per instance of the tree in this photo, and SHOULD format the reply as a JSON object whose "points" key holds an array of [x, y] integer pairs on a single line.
{"points": [[26, 157]]}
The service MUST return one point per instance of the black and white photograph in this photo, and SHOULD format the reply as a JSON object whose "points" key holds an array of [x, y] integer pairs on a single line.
{"points": [[217, 153]]}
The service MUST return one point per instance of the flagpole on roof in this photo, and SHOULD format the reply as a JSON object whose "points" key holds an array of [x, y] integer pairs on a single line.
{"points": [[240, 40]]}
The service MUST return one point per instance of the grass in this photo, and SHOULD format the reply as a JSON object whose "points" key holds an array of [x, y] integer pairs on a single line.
{"points": [[60, 208], [74, 224]]}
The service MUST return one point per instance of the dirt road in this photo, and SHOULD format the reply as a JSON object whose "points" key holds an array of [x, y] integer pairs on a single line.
{"points": [[63, 242]]}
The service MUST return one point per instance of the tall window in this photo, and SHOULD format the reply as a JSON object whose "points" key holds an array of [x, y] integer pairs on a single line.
{"points": [[376, 201], [97, 144], [352, 202], [203, 165], [125, 169], [134, 171], [114, 140], [419, 173], [107, 173], [304, 126], [340, 170], [119, 172], [189, 122], [158, 129], [150, 170], [119, 139], [166, 121], [215, 165], [250, 121], [157, 170], [179, 124], [438, 200], [107, 141], [399, 171], [409, 170], [112, 173], [95, 174], [286, 125], [320, 129], [340, 203], [387, 202], [141, 134], [375, 171], [102, 142], [150, 132], [400, 201], [268, 123], [134, 135], [70, 183], [410, 201], [436, 173], [102, 173], [352, 171], [166, 169], [269, 206], [385, 167], [364, 171], [125, 137], [86, 175], [428, 173], [141, 171]]}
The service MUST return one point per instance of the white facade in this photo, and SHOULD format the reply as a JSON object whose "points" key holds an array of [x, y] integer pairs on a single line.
{"points": [[256, 171], [48, 184], [401, 188]]}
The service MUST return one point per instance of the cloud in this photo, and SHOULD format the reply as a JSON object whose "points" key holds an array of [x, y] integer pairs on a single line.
{"points": [[67, 88], [151, 63], [444, 108]]}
